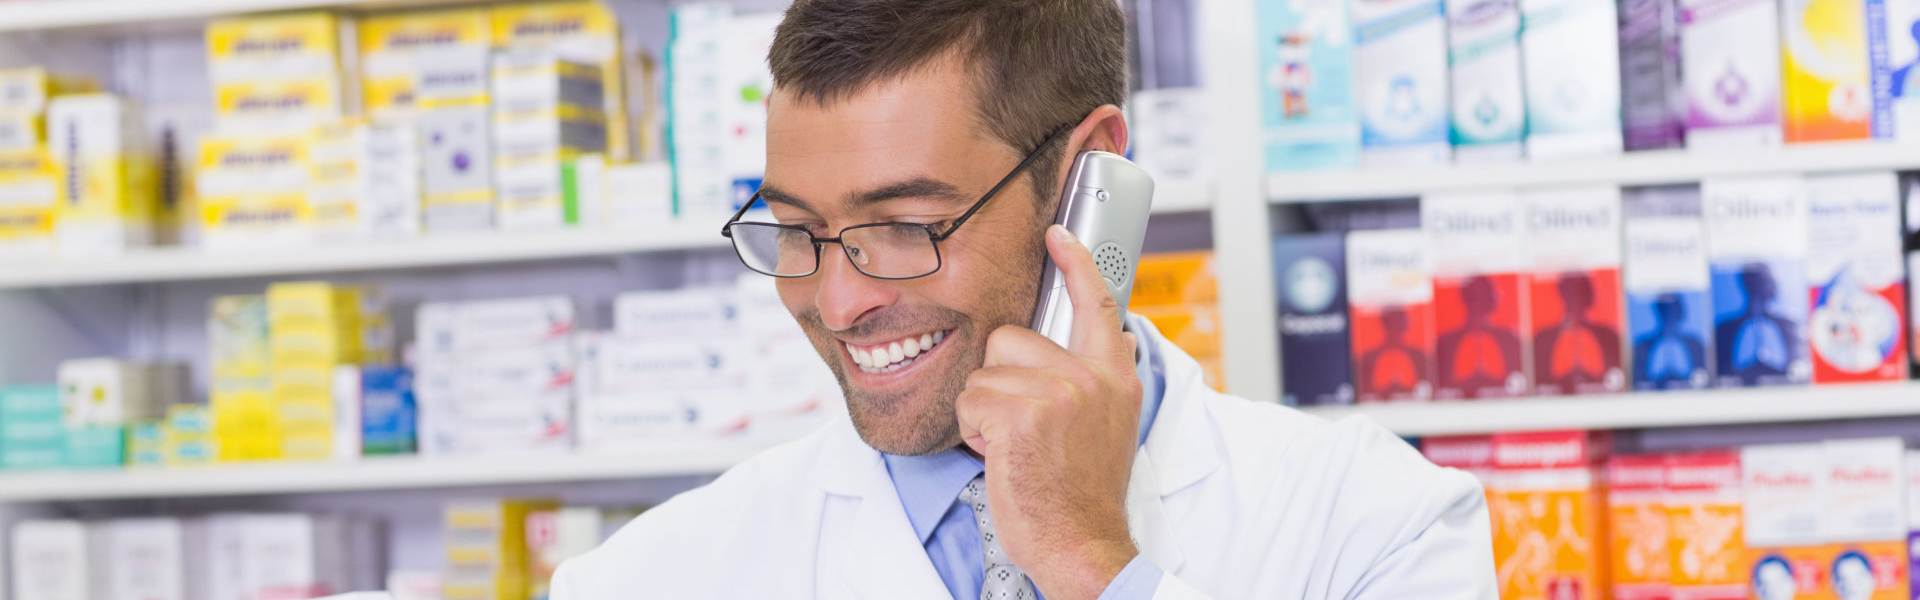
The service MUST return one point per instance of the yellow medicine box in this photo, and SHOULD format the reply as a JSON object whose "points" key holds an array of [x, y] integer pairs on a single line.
{"points": [[29, 200], [395, 47]]}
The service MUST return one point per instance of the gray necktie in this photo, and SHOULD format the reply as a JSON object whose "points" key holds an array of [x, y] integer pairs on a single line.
{"points": [[1004, 581]]}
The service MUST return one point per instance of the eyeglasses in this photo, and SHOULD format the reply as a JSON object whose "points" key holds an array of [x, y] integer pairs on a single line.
{"points": [[879, 250]]}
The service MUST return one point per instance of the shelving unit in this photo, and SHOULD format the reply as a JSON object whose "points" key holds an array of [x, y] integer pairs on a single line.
{"points": [[1643, 410], [23, 15], [1639, 168], [374, 473]]}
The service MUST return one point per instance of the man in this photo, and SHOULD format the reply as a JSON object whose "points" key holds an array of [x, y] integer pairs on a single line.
{"points": [[914, 154]]}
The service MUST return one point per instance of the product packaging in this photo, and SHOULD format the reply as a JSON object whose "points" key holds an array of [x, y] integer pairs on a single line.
{"points": [[1400, 68], [388, 412], [52, 560], [451, 103], [1757, 250], [1828, 78], [1856, 283], [1310, 275], [1480, 265], [676, 314], [1864, 520], [1653, 103], [1669, 309], [1704, 521], [253, 190], [30, 187], [278, 73], [1489, 108], [1390, 301], [107, 175], [1547, 495], [1574, 240], [396, 47], [389, 168], [1176, 291], [1784, 486], [1307, 97], [1902, 36], [546, 116], [448, 327], [1573, 78], [580, 31], [1730, 63], [486, 546], [27, 90], [145, 558], [1638, 561]]}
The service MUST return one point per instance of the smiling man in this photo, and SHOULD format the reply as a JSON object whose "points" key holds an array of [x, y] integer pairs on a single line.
{"points": [[914, 154]]}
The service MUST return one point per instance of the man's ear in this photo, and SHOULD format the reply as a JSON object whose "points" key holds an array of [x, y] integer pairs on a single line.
{"points": [[1105, 129]]}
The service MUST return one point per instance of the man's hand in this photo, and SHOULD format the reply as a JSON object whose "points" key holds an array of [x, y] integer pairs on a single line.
{"points": [[1058, 428]]}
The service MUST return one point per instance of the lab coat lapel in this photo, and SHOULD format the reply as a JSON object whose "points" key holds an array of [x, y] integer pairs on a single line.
{"points": [[883, 559], [1178, 454]]}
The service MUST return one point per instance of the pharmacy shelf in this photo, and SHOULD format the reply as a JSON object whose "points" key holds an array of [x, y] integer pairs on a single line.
{"points": [[1637, 168], [372, 474], [181, 264], [1645, 410], [17, 15]]}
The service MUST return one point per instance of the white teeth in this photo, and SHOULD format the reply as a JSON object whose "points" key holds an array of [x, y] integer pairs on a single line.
{"points": [[939, 335], [894, 353], [880, 358], [859, 357], [926, 341], [911, 346], [888, 357]]}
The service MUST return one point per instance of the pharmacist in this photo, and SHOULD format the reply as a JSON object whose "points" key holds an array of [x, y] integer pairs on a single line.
{"points": [[982, 460]]}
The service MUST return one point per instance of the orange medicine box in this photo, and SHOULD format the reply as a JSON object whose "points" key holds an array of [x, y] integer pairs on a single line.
{"points": [[1784, 487], [1705, 541], [1637, 526], [1548, 540], [1864, 520]]}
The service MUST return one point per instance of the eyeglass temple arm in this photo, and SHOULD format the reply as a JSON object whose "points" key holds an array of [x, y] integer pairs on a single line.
{"points": [[727, 229], [1011, 175]]}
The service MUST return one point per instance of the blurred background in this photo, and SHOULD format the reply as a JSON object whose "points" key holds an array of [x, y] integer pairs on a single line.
{"points": [[300, 297]]}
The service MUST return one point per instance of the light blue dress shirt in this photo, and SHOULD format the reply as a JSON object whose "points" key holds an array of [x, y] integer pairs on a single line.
{"points": [[930, 485]]}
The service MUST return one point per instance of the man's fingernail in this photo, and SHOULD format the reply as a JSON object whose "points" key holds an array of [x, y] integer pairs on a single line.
{"points": [[1059, 233]]}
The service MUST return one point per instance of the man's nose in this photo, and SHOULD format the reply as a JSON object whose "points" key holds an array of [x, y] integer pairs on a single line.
{"points": [[845, 293]]}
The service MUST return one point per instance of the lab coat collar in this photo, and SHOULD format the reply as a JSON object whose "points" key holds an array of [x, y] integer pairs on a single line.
{"points": [[886, 561]]}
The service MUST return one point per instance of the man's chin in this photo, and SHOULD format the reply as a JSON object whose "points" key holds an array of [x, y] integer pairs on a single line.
{"points": [[905, 427]]}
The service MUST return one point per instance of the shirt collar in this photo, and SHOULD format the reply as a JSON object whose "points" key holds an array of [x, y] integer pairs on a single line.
{"points": [[929, 485]]}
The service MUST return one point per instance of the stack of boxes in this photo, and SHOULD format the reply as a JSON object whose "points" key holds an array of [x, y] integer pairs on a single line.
{"points": [[717, 100], [108, 200], [103, 399], [1550, 516], [29, 186], [495, 376], [274, 359], [31, 434], [244, 424], [1177, 292], [652, 381], [313, 327], [486, 547], [547, 114], [584, 32]]}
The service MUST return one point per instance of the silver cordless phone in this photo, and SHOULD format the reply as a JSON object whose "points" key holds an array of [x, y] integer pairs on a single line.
{"points": [[1105, 203]]}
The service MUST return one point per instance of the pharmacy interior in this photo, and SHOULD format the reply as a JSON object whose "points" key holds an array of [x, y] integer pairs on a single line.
{"points": [[303, 297]]}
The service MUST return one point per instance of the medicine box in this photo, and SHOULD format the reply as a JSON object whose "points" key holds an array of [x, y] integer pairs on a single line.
{"points": [[1756, 251], [1785, 486], [546, 113], [1828, 78], [1704, 518], [1573, 78], [1669, 309], [1479, 246], [1310, 274], [636, 421], [395, 47], [1652, 99], [1575, 312], [107, 198], [452, 424], [676, 314], [144, 558], [52, 560], [1489, 108], [253, 190], [1730, 64], [1547, 482], [1307, 97], [239, 350], [1400, 70], [486, 546], [1865, 521], [456, 143], [27, 90], [1857, 286], [29, 203], [618, 364], [636, 193], [1638, 562], [389, 170], [448, 327], [278, 73], [107, 391], [1390, 296], [583, 31], [1902, 36]]}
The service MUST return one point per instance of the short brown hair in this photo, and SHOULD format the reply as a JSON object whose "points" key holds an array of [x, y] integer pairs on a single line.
{"points": [[1040, 64]]}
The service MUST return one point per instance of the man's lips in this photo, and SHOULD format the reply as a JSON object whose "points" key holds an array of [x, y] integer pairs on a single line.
{"points": [[890, 356]]}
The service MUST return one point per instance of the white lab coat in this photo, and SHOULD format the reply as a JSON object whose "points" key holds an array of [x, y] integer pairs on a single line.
{"points": [[1231, 498]]}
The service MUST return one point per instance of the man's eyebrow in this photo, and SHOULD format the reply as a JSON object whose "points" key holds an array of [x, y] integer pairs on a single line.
{"points": [[920, 187], [773, 195]]}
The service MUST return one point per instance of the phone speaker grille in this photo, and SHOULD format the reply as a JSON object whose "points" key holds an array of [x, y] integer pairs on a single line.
{"points": [[1113, 262]]}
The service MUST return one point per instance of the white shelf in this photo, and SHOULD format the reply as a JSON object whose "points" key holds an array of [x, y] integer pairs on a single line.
{"points": [[1638, 168], [17, 15], [178, 264], [371, 473], [1645, 410]]}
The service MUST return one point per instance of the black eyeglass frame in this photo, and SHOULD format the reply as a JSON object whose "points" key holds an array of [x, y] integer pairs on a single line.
{"points": [[933, 237]]}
